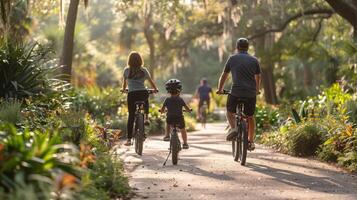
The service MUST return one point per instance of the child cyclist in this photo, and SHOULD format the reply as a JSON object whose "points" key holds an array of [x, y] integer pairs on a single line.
{"points": [[173, 105]]}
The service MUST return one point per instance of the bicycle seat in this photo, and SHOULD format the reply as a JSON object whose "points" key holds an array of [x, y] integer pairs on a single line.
{"points": [[139, 103]]}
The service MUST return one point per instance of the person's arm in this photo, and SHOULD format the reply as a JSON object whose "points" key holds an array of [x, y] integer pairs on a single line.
{"points": [[187, 108], [224, 76], [196, 94], [258, 81], [152, 83], [148, 77], [257, 77], [162, 109], [221, 82], [125, 81]]}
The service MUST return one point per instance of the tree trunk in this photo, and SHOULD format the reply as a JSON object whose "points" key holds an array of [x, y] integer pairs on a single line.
{"points": [[307, 76], [347, 10], [263, 46], [68, 42], [150, 38]]}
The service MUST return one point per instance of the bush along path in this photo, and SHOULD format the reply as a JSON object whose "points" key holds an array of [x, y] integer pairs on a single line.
{"points": [[207, 171]]}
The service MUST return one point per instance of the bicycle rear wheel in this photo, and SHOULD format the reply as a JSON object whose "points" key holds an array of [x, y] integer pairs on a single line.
{"points": [[243, 143], [139, 136], [175, 147]]}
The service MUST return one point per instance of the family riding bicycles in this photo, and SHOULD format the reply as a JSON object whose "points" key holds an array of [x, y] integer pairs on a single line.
{"points": [[241, 102]]}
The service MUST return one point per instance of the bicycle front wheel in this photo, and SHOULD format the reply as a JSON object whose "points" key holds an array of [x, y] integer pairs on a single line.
{"points": [[139, 136]]}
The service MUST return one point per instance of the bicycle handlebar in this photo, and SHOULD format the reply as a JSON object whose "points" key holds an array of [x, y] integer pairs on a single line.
{"points": [[150, 91], [225, 92]]}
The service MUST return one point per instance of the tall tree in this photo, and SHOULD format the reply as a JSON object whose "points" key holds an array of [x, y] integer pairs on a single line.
{"points": [[68, 42], [273, 17]]}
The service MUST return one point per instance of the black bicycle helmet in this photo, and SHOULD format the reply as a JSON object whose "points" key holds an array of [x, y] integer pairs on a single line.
{"points": [[243, 44], [173, 86]]}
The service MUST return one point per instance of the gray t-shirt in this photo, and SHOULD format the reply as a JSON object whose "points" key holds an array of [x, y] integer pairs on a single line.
{"points": [[243, 67], [136, 83]]}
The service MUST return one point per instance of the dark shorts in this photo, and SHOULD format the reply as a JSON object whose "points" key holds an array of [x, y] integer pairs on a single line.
{"points": [[178, 120], [202, 101], [248, 102]]}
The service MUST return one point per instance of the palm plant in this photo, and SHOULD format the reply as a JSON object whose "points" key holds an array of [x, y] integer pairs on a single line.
{"points": [[25, 70]]}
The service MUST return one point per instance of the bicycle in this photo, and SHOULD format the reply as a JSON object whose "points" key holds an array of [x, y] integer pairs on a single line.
{"points": [[139, 127], [240, 142], [175, 144], [203, 114]]}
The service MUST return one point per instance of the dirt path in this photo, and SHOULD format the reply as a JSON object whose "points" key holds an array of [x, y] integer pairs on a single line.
{"points": [[207, 171]]}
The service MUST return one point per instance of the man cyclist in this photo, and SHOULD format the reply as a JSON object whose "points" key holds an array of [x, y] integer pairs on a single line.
{"points": [[245, 70], [203, 93]]}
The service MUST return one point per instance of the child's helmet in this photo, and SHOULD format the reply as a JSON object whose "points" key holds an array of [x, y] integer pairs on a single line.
{"points": [[173, 85]]}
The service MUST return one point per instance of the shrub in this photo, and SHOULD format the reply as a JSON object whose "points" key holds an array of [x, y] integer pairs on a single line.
{"points": [[33, 154], [25, 70], [266, 118], [305, 139], [107, 174], [10, 112], [74, 126]]}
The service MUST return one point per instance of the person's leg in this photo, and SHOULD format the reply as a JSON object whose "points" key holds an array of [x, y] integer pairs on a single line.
{"points": [[200, 103], [184, 135], [167, 133], [231, 117], [231, 110], [249, 109], [131, 117], [251, 128]]}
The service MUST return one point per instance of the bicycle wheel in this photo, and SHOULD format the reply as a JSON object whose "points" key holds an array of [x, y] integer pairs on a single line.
{"points": [[243, 143], [237, 146], [175, 147], [139, 136], [233, 148]]}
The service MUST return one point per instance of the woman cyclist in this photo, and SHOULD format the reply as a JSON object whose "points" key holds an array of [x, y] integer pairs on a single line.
{"points": [[134, 78]]}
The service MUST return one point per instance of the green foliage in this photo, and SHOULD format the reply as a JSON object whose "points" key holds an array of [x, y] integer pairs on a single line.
{"points": [[74, 126], [33, 154], [10, 112], [107, 176], [266, 118], [325, 127], [305, 139], [25, 70], [99, 102]]}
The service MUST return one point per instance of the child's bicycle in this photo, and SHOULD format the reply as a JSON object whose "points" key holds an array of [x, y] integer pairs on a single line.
{"points": [[139, 127], [175, 144]]}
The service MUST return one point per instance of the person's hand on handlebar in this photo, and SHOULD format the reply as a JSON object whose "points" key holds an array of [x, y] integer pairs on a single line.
{"points": [[189, 110], [220, 91]]}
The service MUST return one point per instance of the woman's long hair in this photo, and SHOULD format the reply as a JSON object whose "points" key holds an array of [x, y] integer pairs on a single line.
{"points": [[135, 63]]}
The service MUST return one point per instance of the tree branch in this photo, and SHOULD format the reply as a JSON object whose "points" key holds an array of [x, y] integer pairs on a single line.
{"points": [[347, 10], [329, 12]]}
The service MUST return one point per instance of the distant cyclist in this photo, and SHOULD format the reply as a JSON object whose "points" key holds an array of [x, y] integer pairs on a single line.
{"points": [[203, 93], [245, 70]]}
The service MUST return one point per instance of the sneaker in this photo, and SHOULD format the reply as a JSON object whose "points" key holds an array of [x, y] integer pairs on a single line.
{"points": [[127, 143], [185, 146], [166, 138], [232, 133], [251, 146]]}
